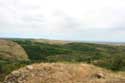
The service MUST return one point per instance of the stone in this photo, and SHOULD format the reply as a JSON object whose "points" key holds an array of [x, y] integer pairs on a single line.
{"points": [[100, 75], [29, 67]]}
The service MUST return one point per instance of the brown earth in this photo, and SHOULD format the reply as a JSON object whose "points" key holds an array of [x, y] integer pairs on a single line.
{"points": [[10, 50], [64, 73]]}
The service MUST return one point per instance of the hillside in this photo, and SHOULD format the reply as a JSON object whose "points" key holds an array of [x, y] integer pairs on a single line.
{"points": [[108, 56], [63, 73], [11, 51]]}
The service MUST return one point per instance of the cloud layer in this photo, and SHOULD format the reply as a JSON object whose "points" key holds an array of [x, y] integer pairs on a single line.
{"points": [[90, 20]]}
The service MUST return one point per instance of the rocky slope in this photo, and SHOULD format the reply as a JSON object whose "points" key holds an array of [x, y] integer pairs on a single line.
{"points": [[63, 73], [10, 50]]}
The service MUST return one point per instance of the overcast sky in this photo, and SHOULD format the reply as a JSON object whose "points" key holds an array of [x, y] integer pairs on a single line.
{"points": [[85, 20]]}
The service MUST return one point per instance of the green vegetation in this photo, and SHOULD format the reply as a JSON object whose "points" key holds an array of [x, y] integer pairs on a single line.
{"points": [[6, 67], [107, 56]]}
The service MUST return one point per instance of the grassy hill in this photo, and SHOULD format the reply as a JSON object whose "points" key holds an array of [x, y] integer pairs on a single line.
{"points": [[107, 56], [11, 51]]}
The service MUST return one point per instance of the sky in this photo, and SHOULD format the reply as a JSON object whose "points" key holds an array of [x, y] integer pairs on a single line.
{"points": [[80, 20]]}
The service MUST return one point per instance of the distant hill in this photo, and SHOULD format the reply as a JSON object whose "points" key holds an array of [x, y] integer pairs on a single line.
{"points": [[50, 41], [63, 73]]}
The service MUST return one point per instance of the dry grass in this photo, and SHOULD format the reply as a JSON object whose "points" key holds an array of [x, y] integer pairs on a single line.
{"points": [[50, 41], [63, 73], [10, 50]]}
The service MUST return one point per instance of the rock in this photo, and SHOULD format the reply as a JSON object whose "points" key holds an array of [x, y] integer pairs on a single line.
{"points": [[100, 75], [16, 73], [29, 67]]}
